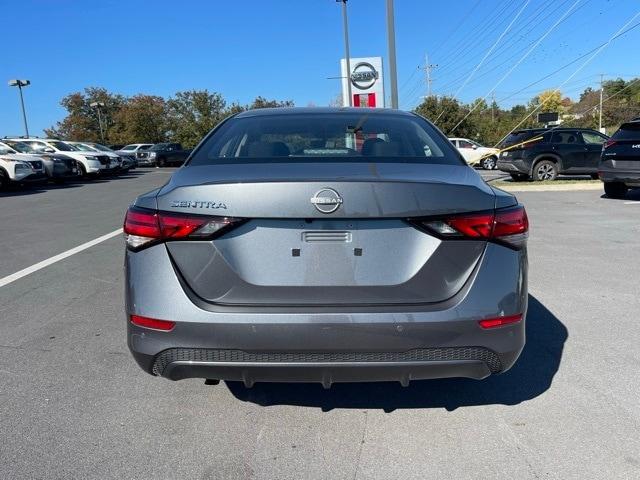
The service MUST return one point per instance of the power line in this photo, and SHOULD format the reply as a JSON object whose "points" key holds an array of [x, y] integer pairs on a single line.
{"points": [[518, 63], [526, 3], [620, 32], [570, 63], [506, 45], [506, 61]]}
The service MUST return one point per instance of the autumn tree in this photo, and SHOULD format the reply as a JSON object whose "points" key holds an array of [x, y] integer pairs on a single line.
{"points": [[81, 122]]}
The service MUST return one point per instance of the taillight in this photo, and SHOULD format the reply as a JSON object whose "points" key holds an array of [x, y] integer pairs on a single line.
{"points": [[608, 143], [153, 323], [144, 227], [499, 321], [509, 226]]}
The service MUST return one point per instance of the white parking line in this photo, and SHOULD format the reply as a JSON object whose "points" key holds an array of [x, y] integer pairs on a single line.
{"points": [[56, 258], [632, 203]]}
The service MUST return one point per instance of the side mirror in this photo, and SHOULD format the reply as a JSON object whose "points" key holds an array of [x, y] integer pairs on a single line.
{"points": [[475, 147], [49, 150]]}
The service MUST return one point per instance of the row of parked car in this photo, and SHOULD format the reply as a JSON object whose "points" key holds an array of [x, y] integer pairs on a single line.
{"points": [[33, 159], [545, 153]]}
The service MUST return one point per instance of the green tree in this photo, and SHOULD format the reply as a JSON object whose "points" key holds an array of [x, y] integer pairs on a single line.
{"points": [[141, 119], [445, 112], [192, 114], [261, 102]]}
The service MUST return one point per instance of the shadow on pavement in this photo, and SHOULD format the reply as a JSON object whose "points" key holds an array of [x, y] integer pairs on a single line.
{"points": [[531, 376], [34, 189], [632, 195]]}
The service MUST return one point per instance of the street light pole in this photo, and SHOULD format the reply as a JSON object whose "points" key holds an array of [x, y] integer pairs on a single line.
{"points": [[345, 26], [391, 41], [97, 106], [20, 84]]}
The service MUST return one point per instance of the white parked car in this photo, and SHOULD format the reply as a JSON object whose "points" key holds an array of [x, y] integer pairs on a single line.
{"points": [[476, 154], [36, 163], [14, 170], [89, 162], [115, 162], [133, 148]]}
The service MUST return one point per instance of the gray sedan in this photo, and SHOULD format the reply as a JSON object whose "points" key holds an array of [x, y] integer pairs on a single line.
{"points": [[325, 245]]}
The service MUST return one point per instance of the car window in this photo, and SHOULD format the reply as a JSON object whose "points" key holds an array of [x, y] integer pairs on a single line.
{"points": [[592, 138], [331, 137], [129, 147], [37, 146], [465, 144], [628, 131], [63, 147], [566, 138]]}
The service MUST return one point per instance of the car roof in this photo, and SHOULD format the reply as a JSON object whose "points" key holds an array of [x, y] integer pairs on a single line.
{"points": [[259, 112]]}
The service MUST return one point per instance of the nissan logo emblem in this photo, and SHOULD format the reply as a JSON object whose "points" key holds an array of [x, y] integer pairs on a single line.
{"points": [[364, 76], [327, 200]]}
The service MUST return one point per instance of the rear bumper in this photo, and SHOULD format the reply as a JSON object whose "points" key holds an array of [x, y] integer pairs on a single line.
{"points": [[327, 345], [628, 177], [513, 166]]}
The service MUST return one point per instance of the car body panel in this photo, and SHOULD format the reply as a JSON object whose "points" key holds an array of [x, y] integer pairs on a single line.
{"points": [[292, 293]]}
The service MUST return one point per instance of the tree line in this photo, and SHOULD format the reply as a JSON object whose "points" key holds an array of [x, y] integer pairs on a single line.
{"points": [[186, 117], [488, 123]]}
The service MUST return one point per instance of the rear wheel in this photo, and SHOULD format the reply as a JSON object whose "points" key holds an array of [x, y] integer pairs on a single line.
{"points": [[615, 189], [83, 170], [545, 170], [519, 177], [488, 163], [4, 180], [161, 163]]}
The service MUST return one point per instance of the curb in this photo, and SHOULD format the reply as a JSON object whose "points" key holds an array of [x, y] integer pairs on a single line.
{"points": [[551, 188]]}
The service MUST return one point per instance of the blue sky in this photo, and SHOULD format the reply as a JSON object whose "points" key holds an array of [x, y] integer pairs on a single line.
{"points": [[286, 49]]}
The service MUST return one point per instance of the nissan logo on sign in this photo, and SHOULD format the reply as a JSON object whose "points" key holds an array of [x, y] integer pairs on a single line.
{"points": [[364, 76]]}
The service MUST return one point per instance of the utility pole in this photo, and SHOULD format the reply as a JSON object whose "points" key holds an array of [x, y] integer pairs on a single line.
{"points": [[428, 67], [600, 109], [391, 41], [345, 26], [493, 101]]}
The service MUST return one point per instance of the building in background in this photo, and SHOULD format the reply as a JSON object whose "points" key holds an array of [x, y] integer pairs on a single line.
{"points": [[367, 82]]}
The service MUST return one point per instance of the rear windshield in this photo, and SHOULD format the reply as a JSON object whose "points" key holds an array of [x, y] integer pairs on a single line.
{"points": [[628, 131], [519, 137], [330, 137]]}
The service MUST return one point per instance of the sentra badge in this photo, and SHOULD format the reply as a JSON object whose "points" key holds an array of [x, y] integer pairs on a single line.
{"points": [[197, 204]]}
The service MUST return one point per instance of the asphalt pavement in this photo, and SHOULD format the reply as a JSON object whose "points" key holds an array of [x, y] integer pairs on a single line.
{"points": [[73, 404]]}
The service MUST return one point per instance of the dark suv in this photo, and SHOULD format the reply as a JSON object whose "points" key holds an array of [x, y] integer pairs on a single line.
{"points": [[543, 154], [619, 167]]}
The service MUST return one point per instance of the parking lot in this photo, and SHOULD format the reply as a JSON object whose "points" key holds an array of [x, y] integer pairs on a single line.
{"points": [[73, 404]]}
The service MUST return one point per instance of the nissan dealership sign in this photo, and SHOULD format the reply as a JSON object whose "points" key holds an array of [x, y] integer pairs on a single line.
{"points": [[367, 82]]}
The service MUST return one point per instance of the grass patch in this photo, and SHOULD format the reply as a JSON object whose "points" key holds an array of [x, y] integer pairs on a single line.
{"points": [[511, 183]]}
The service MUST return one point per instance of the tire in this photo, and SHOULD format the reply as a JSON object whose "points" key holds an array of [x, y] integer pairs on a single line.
{"points": [[489, 163], [83, 170], [161, 163], [615, 189], [545, 170], [594, 176], [4, 180], [519, 177]]}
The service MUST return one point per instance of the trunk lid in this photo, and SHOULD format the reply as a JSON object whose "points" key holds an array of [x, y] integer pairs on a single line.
{"points": [[290, 253]]}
